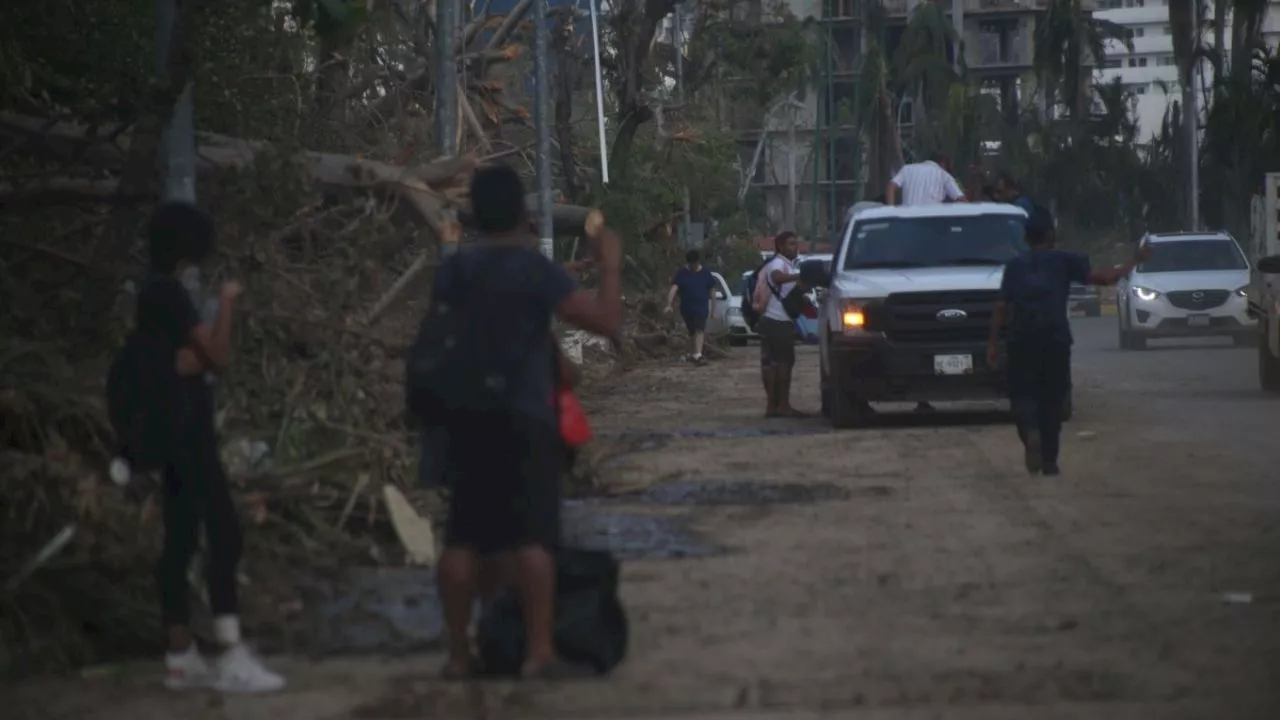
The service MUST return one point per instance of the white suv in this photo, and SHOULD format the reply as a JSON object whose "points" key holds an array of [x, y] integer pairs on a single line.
{"points": [[1195, 284]]}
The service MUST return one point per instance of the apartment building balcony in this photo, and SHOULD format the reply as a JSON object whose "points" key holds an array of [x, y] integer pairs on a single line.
{"points": [[901, 9]]}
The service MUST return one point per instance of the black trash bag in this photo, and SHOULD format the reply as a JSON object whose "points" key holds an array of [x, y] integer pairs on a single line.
{"points": [[591, 626]]}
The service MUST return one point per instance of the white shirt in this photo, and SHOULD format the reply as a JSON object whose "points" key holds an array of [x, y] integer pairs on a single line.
{"points": [[764, 282], [926, 183]]}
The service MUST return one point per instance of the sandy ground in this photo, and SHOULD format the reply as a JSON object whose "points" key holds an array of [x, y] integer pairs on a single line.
{"points": [[946, 584]]}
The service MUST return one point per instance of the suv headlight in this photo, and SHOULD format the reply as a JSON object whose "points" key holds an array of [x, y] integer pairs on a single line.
{"points": [[1145, 293], [1243, 291]]}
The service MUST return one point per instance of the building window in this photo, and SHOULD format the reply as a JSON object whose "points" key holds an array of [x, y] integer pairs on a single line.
{"points": [[1111, 64], [1140, 90], [1133, 62], [1137, 32], [1142, 62]]}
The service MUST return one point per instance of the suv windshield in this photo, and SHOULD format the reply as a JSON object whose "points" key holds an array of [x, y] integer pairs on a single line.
{"points": [[935, 241], [1191, 255]]}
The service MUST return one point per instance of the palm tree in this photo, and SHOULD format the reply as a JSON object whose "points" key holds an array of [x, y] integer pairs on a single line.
{"points": [[922, 71], [1068, 41]]}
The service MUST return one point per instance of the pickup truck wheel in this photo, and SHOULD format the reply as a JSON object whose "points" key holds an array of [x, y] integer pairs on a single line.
{"points": [[1268, 366], [847, 411]]}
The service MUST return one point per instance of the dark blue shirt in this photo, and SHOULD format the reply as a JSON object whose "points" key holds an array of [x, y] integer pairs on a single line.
{"points": [[1024, 202], [1035, 288], [695, 290], [523, 288]]}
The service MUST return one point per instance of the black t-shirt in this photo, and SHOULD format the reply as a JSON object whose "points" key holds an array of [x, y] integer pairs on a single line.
{"points": [[167, 317], [1037, 284], [523, 287], [165, 313]]}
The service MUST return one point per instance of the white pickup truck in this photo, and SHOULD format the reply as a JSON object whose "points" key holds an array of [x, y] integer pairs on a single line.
{"points": [[1264, 286], [908, 305]]}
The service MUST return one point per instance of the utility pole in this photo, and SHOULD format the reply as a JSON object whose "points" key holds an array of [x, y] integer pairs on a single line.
{"points": [[957, 22], [178, 144], [1191, 118], [542, 96], [791, 167], [447, 76]]}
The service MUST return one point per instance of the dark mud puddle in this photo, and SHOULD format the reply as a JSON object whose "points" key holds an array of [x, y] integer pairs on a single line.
{"points": [[630, 536], [375, 610], [740, 492]]}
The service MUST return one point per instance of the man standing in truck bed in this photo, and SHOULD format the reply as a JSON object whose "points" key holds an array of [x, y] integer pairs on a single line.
{"points": [[924, 183]]}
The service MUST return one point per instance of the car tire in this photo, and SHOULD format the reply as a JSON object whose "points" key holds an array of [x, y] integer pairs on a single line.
{"points": [[1268, 365], [846, 410]]}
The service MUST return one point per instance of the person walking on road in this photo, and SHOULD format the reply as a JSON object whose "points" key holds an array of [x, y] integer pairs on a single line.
{"points": [[1033, 312], [694, 284], [775, 281], [924, 183], [484, 370], [195, 493]]}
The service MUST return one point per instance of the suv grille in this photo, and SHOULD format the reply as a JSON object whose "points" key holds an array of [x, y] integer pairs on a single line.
{"points": [[913, 317], [1198, 299]]}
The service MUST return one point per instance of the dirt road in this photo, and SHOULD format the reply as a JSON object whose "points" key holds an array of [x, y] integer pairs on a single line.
{"points": [[907, 571]]}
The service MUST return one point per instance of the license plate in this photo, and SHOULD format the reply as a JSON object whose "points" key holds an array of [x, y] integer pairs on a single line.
{"points": [[952, 364], [1197, 321]]}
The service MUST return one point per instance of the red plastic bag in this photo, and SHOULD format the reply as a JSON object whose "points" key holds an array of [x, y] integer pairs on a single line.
{"points": [[575, 431]]}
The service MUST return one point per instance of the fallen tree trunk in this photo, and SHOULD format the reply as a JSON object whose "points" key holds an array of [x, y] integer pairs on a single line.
{"points": [[430, 190]]}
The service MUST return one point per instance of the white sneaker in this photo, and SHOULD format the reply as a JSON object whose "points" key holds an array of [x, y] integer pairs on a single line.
{"points": [[240, 671], [186, 670]]}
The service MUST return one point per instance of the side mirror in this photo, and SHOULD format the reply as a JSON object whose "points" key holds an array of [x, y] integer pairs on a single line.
{"points": [[815, 273], [1269, 265]]}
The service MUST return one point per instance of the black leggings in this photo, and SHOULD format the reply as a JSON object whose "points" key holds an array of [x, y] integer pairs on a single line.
{"points": [[195, 491]]}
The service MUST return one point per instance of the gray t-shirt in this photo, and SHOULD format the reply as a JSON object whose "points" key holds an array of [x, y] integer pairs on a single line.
{"points": [[523, 288]]}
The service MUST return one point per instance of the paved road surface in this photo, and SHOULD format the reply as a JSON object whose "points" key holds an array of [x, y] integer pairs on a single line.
{"points": [[927, 576]]}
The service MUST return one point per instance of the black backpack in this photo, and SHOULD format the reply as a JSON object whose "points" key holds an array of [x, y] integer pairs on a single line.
{"points": [[461, 360], [590, 623], [143, 401], [748, 310]]}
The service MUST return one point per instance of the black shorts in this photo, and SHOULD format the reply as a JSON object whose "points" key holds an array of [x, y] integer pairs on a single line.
{"points": [[505, 472], [777, 341], [694, 322]]}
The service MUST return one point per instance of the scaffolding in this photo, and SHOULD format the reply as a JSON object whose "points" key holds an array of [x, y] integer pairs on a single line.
{"points": [[837, 154]]}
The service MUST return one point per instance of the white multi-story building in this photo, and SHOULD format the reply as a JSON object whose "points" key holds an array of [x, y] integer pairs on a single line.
{"points": [[1150, 70]]}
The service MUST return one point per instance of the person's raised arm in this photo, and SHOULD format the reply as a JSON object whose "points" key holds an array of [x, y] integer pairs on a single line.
{"points": [[599, 312], [1113, 275], [211, 342]]}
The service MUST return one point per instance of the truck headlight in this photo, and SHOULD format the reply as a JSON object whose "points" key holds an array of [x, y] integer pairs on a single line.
{"points": [[853, 318], [1145, 293]]}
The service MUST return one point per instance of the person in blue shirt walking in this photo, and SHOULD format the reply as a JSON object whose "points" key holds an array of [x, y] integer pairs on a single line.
{"points": [[694, 284], [1032, 311]]}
